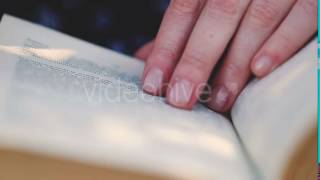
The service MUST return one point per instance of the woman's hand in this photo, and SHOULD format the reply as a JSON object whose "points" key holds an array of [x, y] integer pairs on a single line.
{"points": [[254, 37]]}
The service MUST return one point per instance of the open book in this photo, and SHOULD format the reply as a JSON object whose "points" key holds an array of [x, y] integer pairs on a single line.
{"points": [[73, 110]]}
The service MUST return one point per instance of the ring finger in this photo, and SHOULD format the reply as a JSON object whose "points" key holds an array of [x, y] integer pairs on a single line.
{"points": [[259, 22]]}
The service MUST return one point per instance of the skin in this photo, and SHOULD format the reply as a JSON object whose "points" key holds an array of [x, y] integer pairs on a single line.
{"points": [[250, 37]]}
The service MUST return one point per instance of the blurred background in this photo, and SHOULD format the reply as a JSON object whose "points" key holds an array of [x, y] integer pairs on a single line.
{"points": [[121, 25]]}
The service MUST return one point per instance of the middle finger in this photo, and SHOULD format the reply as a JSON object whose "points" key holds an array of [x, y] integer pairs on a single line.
{"points": [[213, 30]]}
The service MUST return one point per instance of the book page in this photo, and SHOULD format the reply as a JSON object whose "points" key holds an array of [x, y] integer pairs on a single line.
{"points": [[64, 97], [276, 114]]}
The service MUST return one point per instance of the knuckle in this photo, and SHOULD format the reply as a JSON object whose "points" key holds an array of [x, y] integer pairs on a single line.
{"points": [[166, 53], [195, 60], [284, 37], [186, 6], [234, 69], [263, 13], [227, 8], [309, 6]]}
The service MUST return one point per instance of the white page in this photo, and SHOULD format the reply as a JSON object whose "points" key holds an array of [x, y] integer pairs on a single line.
{"points": [[50, 104], [275, 114]]}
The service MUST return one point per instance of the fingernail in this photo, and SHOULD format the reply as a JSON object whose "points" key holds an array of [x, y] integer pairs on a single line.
{"points": [[153, 81], [220, 96], [262, 66], [181, 92]]}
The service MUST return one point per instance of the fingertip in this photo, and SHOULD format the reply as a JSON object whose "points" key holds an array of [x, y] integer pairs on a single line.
{"points": [[262, 66], [140, 56], [221, 99], [255, 70], [180, 94], [153, 81], [144, 52]]}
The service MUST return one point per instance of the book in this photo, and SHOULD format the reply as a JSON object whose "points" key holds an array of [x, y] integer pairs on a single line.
{"points": [[73, 110]]}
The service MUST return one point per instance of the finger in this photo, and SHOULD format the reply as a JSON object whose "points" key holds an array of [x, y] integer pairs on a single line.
{"points": [[298, 27], [259, 22], [144, 52], [214, 29], [173, 34]]}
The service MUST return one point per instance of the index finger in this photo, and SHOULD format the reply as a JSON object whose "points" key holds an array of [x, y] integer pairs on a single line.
{"points": [[174, 31]]}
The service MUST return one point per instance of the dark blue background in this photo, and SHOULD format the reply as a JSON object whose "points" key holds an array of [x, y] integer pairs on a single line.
{"points": [[122, 25]]}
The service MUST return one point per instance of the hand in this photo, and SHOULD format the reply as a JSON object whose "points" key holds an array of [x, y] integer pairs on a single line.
{"points": [[255, 36]]}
